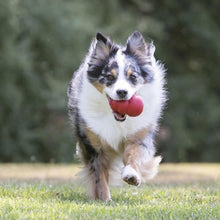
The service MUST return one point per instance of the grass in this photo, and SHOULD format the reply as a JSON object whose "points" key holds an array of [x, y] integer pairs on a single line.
{"points": [[180, 191]]}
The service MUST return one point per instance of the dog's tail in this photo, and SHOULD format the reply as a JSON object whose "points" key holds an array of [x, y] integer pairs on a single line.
{"points": [[150, 168]]}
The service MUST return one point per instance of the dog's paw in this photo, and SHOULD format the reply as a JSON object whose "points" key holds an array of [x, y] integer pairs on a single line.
{"points": [[130, 176]]}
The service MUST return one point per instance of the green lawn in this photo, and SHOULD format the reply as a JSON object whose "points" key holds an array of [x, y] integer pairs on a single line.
{"points": [[180, 191]]}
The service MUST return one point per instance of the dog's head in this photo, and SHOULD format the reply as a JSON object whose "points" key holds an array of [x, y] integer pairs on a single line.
{"points": [[119, 72]]}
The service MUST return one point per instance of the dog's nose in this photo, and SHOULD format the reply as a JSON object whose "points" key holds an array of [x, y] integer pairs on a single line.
{"points": [[122, 93]]}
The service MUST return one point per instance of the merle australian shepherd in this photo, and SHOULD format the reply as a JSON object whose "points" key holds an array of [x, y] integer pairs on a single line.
{"points": [[113, 72]]}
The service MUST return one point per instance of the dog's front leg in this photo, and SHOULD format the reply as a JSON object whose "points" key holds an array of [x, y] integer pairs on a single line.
{"points": [[99, 178], [97, 166], [140, 164]]}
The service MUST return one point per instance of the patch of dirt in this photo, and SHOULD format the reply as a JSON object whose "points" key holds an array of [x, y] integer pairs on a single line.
{"points": [[170, 174]]}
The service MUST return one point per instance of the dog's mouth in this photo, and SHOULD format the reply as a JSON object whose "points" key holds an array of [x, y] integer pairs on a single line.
{"points": [[131, 107], [118, 116]]}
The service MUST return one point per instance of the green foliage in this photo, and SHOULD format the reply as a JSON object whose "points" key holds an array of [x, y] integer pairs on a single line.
{"points": [[42, 42], [191, 50]]}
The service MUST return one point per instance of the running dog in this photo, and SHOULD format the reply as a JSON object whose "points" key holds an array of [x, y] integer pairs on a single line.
{"points": [[113, 73]]}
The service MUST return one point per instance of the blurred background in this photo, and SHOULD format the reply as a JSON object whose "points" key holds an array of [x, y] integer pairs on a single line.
{"points": [[42, 43]]}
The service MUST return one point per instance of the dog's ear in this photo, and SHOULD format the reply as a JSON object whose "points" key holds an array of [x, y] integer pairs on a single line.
{"points": [[102, 49], [144, 54], [101, 37], [103, 46], [136, 45]]}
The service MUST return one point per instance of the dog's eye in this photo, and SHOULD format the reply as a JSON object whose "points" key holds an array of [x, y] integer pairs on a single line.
{"points": [[110, 77], [133, 77]]}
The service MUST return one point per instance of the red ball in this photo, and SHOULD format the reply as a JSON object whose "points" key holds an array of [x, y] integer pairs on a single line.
{"points": [[136, 106], [119, 106], [132, 107]]}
